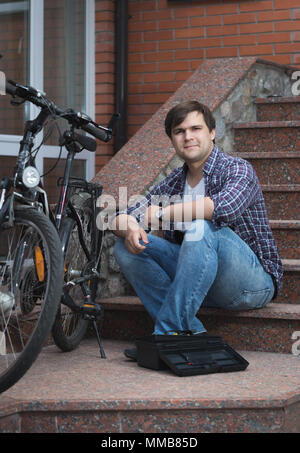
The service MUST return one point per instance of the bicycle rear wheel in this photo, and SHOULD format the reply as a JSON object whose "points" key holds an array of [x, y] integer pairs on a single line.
{"points": [[70, 327], [31, 272]]}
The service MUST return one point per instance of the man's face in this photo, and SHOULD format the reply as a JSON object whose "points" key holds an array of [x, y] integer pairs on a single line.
{"points": [[192, 140]]}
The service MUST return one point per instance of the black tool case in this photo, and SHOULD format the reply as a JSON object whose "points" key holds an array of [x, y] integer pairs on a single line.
{"points": [[188, 355]]}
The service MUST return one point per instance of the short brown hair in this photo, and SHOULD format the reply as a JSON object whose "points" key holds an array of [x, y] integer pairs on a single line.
{"points": [[178, 114]]}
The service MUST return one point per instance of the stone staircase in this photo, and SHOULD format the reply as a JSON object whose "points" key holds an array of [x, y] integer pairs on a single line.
{"points": [[272, 145], [79, 392]]}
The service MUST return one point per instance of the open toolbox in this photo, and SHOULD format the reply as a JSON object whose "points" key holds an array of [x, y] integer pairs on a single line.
{"points": [[188, 355]]}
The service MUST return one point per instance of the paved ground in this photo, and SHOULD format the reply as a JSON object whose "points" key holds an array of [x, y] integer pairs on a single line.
{"points": [[82, 381]]}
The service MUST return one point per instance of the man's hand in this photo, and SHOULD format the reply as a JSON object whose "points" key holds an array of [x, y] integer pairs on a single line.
{"points": [[132, 240], [127, 227]]}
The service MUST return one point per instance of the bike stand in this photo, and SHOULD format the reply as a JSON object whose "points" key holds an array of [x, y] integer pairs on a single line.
{"points": [[89, 311], [94, 312], [102, 353]]}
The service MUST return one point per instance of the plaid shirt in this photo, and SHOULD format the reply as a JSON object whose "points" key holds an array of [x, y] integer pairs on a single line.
{"points": [[232, 184]]}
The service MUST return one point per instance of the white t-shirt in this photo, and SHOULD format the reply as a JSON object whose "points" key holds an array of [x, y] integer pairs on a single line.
{"points": [[191, 194]]}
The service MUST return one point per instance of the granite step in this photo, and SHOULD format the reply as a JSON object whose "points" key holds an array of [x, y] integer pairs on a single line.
{"points": [[287, 237], [276, 108], [267, 136], [290, 293], [282, 201], [280, 167], [77, 392], [268, 329]]}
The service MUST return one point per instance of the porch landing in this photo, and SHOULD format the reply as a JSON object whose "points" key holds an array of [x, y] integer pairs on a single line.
{"points": [[78, 392]]}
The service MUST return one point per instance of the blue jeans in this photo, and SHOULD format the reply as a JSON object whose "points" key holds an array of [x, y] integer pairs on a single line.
{"points": [[217, 269]]}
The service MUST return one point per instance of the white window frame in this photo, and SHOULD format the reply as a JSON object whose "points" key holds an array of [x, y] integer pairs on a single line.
{"points": [[9, 144]]}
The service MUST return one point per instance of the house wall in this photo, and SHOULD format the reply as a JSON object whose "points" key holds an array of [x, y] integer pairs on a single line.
{"points": [[168, 40], [105, 72]]}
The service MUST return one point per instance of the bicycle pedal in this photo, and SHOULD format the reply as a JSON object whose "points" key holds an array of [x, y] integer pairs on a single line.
{"points": [[92, 311]]}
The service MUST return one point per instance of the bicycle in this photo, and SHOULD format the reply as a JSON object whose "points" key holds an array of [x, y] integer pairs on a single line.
{"points": [[42, 281]]}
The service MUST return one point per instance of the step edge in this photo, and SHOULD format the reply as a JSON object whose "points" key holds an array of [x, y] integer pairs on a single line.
{"points": [[273, 310], [285, 224], [132, 303], [267, 154], [291, 265], [278, 100], [280, 400], [267, 124], [280, 187]]}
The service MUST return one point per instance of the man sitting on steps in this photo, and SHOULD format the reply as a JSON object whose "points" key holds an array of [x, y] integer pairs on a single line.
{"points": [[217, 248]]}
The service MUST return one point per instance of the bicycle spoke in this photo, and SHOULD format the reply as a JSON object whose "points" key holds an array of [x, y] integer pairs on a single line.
{"points": [[23, 291]]}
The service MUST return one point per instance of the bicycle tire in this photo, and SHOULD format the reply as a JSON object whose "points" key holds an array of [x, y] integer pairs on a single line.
{"points": [[26, 325], [69, 328]]}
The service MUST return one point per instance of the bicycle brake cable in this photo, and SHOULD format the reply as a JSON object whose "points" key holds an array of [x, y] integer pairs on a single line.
{"points": [[54, 166]]}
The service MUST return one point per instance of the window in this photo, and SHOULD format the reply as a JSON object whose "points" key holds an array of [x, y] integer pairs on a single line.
{"points": [[48, 44], [14, 47]]}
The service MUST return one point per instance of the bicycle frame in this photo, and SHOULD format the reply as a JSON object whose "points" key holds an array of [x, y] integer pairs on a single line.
{"points": [[31, 197], [69, 220], [64, 199], [92, 310]]}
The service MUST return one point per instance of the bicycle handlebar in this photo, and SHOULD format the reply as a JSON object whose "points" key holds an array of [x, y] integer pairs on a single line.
{"points": [[10, 89], [105, 136], [77, 119]]}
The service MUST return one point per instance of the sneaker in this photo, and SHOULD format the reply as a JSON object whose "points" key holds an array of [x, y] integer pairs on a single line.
{"points": [[185, 333], [131, 354]]}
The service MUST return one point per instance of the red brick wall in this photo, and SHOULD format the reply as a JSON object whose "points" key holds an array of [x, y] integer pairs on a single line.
{"points": [[104, 67], [169, 40], [13, 45]]}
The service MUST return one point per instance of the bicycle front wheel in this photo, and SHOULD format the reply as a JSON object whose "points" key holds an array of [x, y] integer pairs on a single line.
{"points": [[31, 273]]}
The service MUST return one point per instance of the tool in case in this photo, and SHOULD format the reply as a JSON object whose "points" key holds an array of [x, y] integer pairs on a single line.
{"points": [[188, 355]]}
